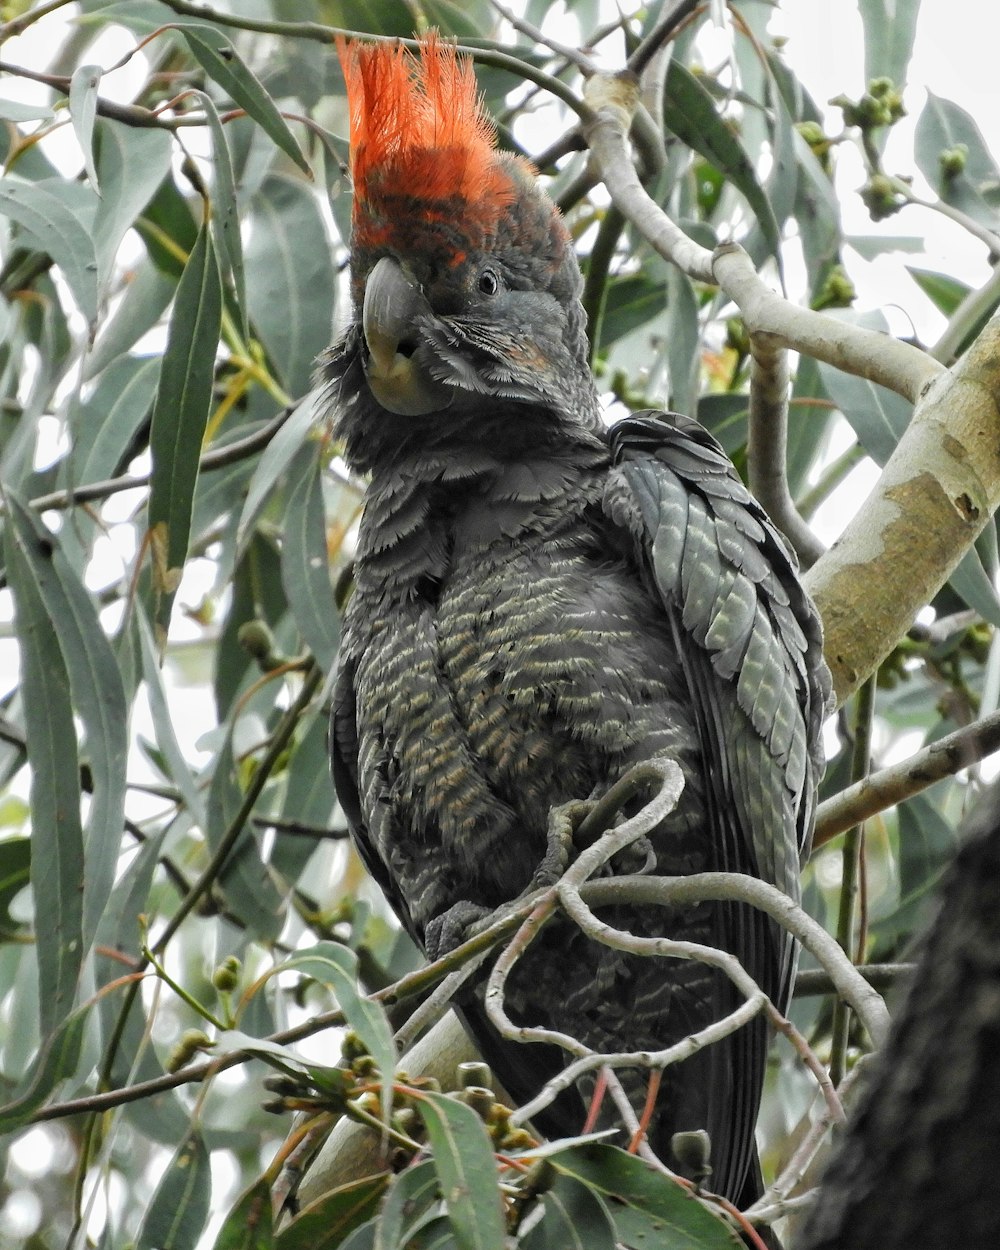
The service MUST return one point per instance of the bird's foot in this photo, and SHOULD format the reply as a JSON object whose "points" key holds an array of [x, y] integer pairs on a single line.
{"points": [[448, 930], [563, 823]]}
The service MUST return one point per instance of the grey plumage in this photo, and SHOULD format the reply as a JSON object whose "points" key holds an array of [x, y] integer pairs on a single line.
{"points": [[539, 604]]}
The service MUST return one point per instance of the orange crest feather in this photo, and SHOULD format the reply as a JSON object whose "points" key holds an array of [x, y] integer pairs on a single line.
{"points": [[419, 133]]}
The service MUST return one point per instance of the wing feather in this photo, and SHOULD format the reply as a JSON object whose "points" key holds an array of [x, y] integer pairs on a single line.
{"points": [[750, 636]]}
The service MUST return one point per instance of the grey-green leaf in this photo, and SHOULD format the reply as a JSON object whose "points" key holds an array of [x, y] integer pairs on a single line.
{"points": [[337, 966], [163, 729], [305, 572], [220, 60], [225, 214], [976, 587], [943, 126], [575, 1219], [291, 281], [83, 111], [645, 1201], [410, 1196], [131, 165], [176, 1216], [56, 1060], [467, 1169], [98, 698], [180, 413], [690, 113], [273, 462], [244, 879], [249, 1226], [889, 28], [877, 416], [57, 867], [105, 424], [52, 222]]}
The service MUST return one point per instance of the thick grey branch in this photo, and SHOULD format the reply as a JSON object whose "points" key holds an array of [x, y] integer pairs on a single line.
{"points": [[767, 445], [937, 492]]}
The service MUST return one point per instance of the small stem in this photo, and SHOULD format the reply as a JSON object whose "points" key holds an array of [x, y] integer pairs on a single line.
{"points": [[860, 765], [767, 445], [595, 287], [181, 992]]}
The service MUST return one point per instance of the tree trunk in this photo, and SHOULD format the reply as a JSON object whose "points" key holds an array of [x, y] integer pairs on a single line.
{"points": [[918, 1164]]}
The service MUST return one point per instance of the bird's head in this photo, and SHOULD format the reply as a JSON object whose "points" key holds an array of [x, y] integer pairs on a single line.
{"points": [[463, 276]]}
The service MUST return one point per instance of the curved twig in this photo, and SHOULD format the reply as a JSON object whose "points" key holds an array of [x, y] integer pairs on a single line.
{"points": [[720, 887], [215, 458], [867, 354], [613, 100]]}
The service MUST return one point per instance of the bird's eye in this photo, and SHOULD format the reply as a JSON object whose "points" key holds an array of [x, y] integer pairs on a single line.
{"points": [[489, 283]]}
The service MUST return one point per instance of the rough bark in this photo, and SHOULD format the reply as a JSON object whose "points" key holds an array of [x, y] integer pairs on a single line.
{"points": [[917, 1166]]}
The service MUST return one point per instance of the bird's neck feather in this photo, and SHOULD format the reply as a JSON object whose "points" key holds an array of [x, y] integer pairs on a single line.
{"points": [[429, 507]]}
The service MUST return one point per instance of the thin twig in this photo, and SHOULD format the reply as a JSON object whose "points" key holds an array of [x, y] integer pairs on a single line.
{"points": [[18, 25], [573, 56], [279, 741], [851, 858], [718, 887], [672, 18], [977, 305], [984, 234], [944, 758], [811, 981], [215, 458]]}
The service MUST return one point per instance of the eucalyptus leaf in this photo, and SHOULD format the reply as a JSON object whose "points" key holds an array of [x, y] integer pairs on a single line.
{"points": [[54, 222], [131, 166], [245, 880], [890, 29], [645, 1202], [58, 858], [177, 1214], [337, 966], [944, 126], [249, 1225], [877, 416], [180, 415], [467, 1170], [333, 1221], [83, 87], [291, 282], [411, 1195], [305, 569], [56, 1060], [575, 1219], [220, 60], [98, 699], [274, 461], [225, 215], [690, 114]]}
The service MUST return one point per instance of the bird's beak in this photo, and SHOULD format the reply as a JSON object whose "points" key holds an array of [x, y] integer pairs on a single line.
{"points": [[393, 304]]}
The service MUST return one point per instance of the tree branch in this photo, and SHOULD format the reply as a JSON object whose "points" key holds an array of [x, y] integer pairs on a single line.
{"points": [[944, 758], [878, 357], [767, 446], [937, 492]]}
